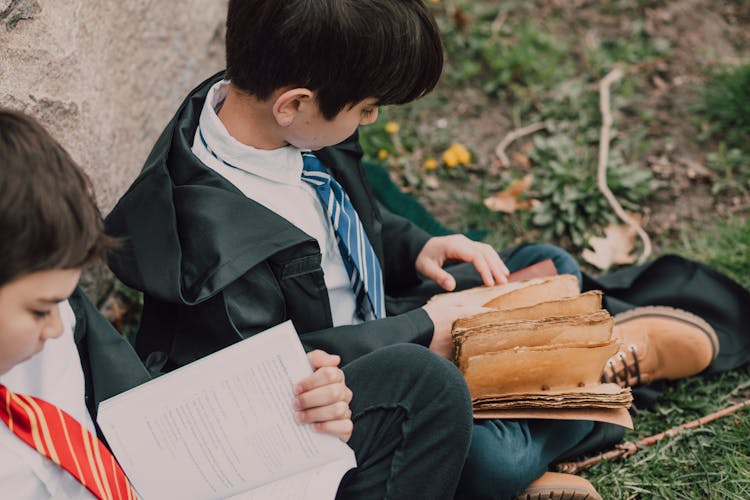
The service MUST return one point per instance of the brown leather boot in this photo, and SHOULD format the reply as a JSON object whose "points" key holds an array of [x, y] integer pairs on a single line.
{"points": [[558, 486], [659, 342]]}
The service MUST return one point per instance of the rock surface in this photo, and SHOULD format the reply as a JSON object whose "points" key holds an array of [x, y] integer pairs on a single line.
{"points": [[105, 77]]}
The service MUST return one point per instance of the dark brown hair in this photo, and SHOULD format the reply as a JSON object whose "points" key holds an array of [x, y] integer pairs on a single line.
{"points": [[48, 214], [344, 50]]}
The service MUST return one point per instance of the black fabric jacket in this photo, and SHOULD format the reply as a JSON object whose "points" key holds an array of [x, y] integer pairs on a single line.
{"points": [[110, 366], [216, 267]]}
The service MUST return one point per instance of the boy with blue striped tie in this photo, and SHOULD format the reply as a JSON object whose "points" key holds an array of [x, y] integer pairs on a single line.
{"points": [[59, 357], [253, 208]]}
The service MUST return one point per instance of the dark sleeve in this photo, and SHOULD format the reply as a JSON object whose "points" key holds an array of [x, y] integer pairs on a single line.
{"points": [[402, 242], [352, 341], [253, 306], [110, 365]]}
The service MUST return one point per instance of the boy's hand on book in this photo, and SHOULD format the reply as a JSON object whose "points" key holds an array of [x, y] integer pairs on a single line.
{"points": [[443, 313], [441, 250], [322, 399]]}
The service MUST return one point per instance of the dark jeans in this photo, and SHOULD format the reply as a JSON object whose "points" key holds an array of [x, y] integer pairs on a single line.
{"points": [[412, 425], [506, 455]]}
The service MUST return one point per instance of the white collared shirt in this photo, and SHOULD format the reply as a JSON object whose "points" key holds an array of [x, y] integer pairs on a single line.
{"points": [[54, 375], [273, 179]]}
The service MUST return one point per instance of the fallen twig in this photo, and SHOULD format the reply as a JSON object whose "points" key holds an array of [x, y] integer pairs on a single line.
{"points": [[604, 85], [625, 450], [497, 24], [512, 136]]}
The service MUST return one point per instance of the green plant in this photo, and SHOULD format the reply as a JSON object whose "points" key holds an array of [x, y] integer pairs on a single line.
{"points": [[732, 167], [726, 107], [524, 61], [516, 59], [636, 47], [565, 184]]}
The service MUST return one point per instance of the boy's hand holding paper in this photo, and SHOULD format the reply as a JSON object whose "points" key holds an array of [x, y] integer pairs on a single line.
{"points": [[322, 399]]}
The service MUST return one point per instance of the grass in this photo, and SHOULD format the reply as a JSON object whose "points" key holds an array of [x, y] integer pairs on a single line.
{"points": [[724, 112], [726, 107], [712, 461]]}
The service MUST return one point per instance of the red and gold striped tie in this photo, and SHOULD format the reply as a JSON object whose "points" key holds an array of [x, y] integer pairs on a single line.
{"points": [[61, 438]]}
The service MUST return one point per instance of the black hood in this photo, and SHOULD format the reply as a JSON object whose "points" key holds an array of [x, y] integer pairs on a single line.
{"points": [[179, 219]]}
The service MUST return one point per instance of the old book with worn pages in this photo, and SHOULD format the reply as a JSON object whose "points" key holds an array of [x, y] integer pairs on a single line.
{"points": [[582, 304], [590, 328], [539, 353]]}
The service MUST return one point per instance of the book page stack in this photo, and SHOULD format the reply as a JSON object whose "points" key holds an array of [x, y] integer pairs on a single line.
{"points": [[540, 352]]}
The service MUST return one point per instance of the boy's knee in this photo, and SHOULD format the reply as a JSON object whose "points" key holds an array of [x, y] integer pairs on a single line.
{"points": [[564, 262], [432, 379], [531, 254], [418, 361]]}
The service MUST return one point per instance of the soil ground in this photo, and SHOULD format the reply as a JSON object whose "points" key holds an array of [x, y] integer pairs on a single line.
{"points": [[701, 35]]}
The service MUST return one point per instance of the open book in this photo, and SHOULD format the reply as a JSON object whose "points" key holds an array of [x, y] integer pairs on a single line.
{"points": [[224, 427], [539, 353]]}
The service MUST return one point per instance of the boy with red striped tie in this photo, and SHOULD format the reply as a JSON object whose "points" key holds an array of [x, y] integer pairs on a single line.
{"points": [[50, 228]]}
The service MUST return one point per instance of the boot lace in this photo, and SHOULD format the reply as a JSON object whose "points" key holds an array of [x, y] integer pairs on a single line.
{"points": [[621, 370]]}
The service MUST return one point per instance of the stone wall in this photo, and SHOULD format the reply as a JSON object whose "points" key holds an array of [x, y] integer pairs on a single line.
{"points": [[104, 77]]}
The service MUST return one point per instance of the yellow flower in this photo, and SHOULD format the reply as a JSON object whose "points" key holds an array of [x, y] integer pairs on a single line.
{"points": [[430, 164], [462, 154], [450, 158], [434, 1], [392, 127], [383, 154]]}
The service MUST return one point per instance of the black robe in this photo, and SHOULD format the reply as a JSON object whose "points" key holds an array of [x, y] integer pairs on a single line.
{"points": [[216, 267], [110, 365]]}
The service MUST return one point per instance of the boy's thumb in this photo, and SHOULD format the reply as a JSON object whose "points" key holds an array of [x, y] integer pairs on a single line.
{"points": [[445, 280], [432, 271]]}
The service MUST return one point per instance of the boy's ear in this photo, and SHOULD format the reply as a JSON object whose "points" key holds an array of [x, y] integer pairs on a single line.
{"points": [[288, 105]]}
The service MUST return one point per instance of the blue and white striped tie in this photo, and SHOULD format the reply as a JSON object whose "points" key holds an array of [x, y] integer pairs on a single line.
{"points": [[360, 260]]}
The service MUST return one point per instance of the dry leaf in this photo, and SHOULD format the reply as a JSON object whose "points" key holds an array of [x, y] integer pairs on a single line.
{"points": [[508, 201], [462, 19], [520, 159], [695, 170], [659, 83], [614, 248]]}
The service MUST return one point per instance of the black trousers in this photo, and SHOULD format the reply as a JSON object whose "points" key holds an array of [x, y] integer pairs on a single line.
{"points": [[412, 425]]}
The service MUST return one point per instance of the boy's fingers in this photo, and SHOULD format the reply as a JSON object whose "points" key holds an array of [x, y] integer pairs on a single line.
{"points": [[432, 270], [342, 429], [318, 359], [323, 396], [497, 267], [337, 411], [322, 376], [483, 268]]}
